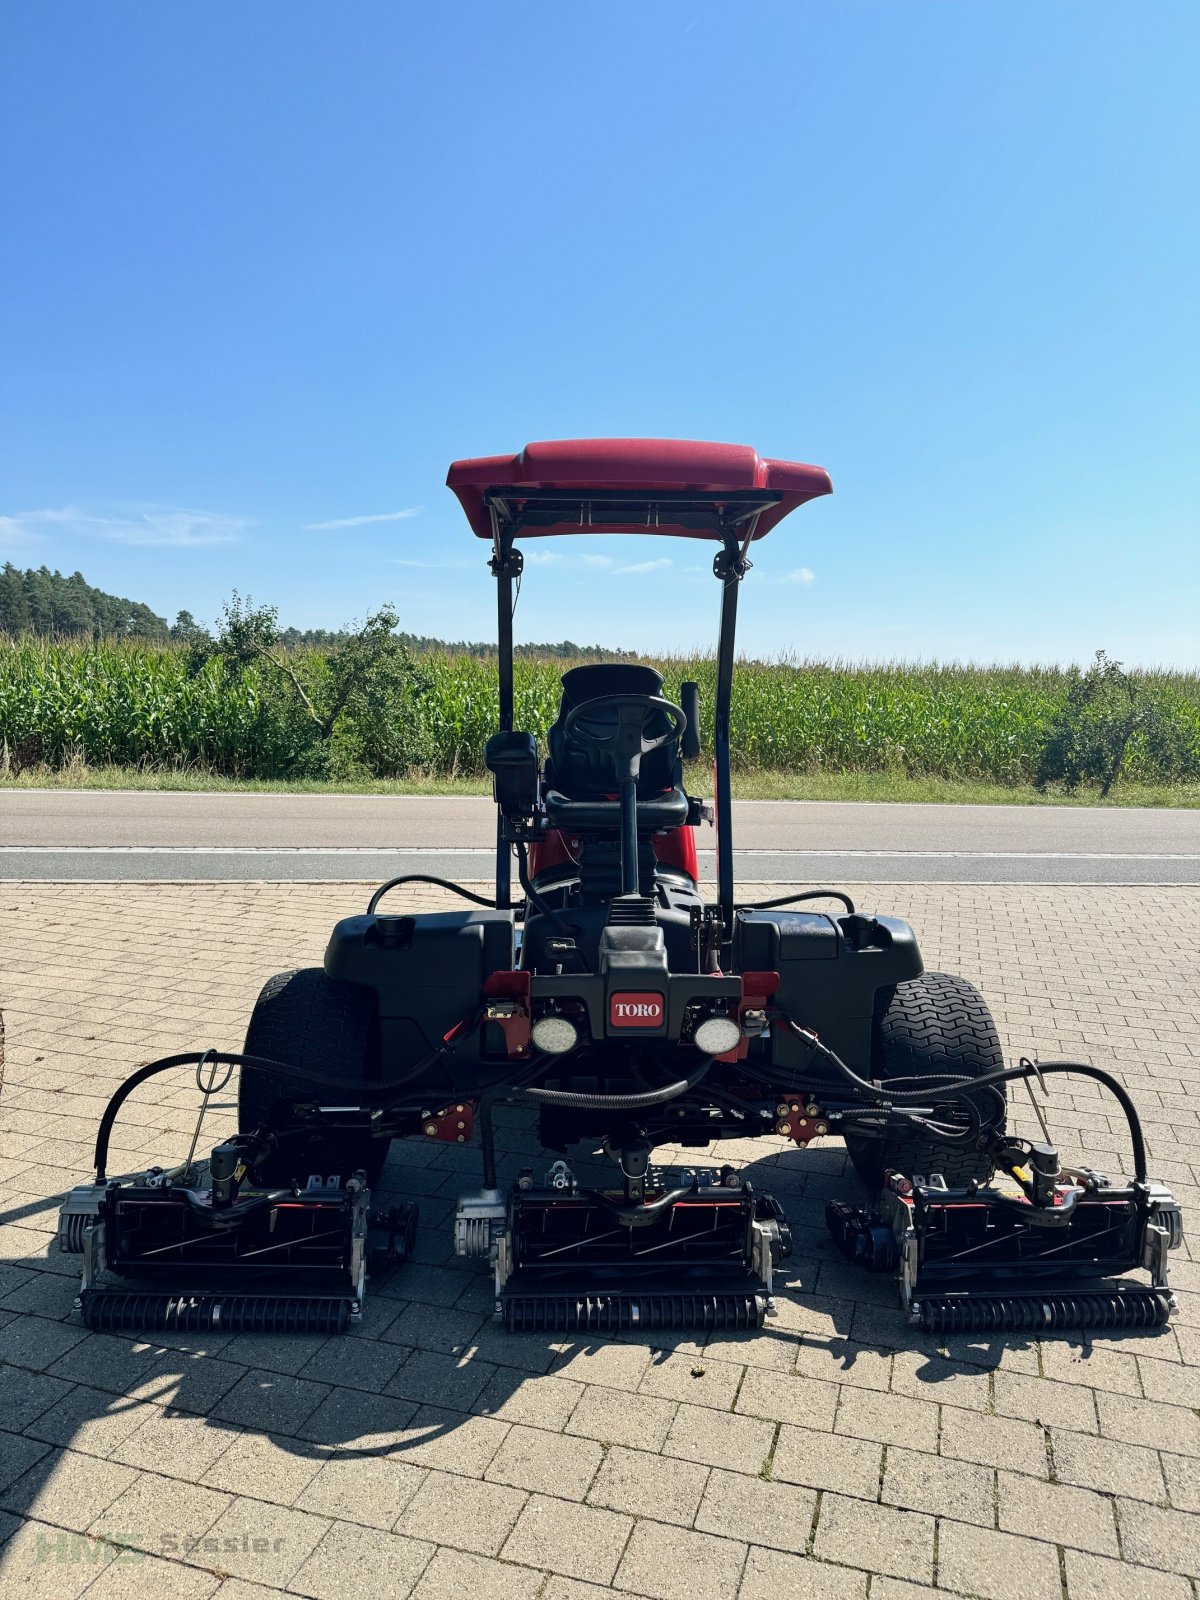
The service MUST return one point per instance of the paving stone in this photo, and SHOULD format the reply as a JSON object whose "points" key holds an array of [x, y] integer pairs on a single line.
{"points": [[528, 1352], [175, 1446], [90, 1421], [671, 1564], [1183, 1481], [134, 1576], [354, 1560], [162, 1516], [240, 1589], [770, 1575], [649, 1486], [844, 1361], [1067, 1516], [261, 1542], [1040, 1400], [462, 1512], [1094, 1578], [559, 1588], [828, 1461], [983, 1563], [613, 1365], [763, 1512], [538, 1401], [41, 1562], [355, 1364], [373, 1490], [888, 1418], [432, 1378], [901, 1589], [1172, 1384], [574, 1540], [720, 1439], [994, 1441], [271, 1400], [281, 1352], [1155, 1537], [1149, 1423], [700, 1380], [17, 1455], [439, 1328], [957, 1489], [263, 1467], [615, 1418], [877, 1538], [531, 1458], [105, 1362], [187, 1381], [1091, 1463], [787, 1397], [452, 1442], [454, 1575], [758, 1347], [66, 1489], [1094, 1366], [37, 1343], [349, 1419], [920, 1375], [28, 1395]]}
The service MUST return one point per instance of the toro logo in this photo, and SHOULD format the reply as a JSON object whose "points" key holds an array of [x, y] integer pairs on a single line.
{"points": [[635, 1011]]}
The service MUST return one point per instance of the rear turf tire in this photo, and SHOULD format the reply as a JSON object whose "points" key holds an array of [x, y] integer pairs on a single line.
{"points": [[936, 1025], [312, 1021]]}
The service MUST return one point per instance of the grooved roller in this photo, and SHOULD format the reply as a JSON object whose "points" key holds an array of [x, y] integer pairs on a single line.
{"points": [[212, 1313], [1035, 1313]]}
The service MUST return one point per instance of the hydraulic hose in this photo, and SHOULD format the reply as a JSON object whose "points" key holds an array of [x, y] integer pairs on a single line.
{"points": [[962, 1087], [424, 877], [794, 899], [618, 1102]]}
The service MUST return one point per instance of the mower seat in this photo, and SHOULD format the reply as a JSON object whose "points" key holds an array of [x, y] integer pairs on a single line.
{"points": [[658, 813], [576, 772]]}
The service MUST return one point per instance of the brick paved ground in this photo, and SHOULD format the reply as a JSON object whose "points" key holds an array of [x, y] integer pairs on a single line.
{"points": [[833, 1455]]}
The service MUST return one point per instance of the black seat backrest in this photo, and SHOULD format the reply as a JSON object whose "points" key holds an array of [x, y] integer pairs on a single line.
{"points": [[584, 774]]}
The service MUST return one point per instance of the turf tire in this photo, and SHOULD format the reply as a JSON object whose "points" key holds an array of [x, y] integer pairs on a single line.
{"points": [[935, 1025], [312, 1021]]}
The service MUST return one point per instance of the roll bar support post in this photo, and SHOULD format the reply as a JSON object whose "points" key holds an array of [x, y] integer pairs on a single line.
{"points": [[506, 565]]}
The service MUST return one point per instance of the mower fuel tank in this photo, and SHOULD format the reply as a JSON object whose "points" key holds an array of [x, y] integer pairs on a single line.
{"points": [[830, 971], [428, 972]]}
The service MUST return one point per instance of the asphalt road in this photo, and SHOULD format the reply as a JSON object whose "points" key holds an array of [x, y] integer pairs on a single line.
{"points": [[57, 834]]}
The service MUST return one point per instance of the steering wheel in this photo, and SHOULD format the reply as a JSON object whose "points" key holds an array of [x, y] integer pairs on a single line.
{"points": [[626, 743]]}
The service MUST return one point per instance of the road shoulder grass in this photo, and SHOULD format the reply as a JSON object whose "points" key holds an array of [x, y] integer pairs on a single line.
{"points": [[761, 785]]}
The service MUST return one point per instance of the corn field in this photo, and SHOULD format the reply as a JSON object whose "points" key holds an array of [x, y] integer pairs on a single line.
{"points": [[126, 703]]}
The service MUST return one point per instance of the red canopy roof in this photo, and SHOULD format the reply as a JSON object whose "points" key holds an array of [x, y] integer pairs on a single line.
{"points": [[671, 486]]}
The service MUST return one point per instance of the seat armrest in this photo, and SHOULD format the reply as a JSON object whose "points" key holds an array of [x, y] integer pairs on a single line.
{"points": [[512, 759]]}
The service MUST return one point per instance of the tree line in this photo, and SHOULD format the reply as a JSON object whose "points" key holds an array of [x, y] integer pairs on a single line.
{"points": [[48, 605]]}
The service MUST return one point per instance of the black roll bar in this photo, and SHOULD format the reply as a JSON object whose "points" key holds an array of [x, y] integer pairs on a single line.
{"points": [[729, 567], [506, 564]]}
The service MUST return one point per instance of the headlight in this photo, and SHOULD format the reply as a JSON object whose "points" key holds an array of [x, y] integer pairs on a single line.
{"points": [[716, 1036], [554, 1035]]}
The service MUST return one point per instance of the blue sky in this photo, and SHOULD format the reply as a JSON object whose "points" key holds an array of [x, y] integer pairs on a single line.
{"points": [[268, 268]]}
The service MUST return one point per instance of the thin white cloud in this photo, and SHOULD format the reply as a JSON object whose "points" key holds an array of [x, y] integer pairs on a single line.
{"points": [[429, 566], [12, 533], [798, 575], [542, 558], [167, 526], [597, 561], [644, 566], [362, 522]]}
